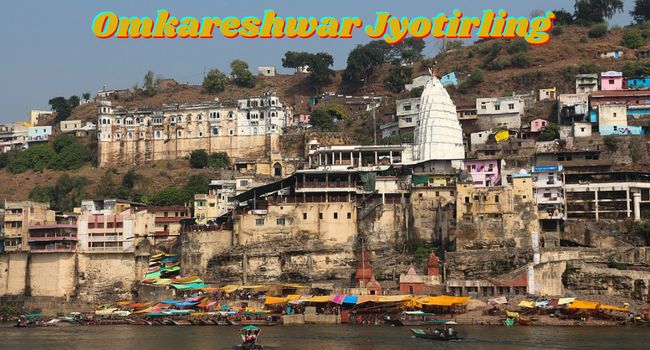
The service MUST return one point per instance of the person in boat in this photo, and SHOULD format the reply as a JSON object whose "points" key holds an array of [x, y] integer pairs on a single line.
{"points": [[452, 333]]}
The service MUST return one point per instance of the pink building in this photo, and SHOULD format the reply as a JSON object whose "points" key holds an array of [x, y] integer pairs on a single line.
{"points": [[304, 118], [538, 124], [611, 81], [485, 172]]}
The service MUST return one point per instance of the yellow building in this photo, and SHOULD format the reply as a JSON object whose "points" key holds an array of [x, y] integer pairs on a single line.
{"points": [[34, 116], [19, 216], [495, 217]]}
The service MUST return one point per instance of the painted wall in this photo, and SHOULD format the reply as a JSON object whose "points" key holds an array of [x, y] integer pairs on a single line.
{"points": [[620, 130]]}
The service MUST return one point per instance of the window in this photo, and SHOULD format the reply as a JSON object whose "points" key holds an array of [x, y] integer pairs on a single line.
{"points": [[407, 107], [409, 120], [466, 199], [320, 216], [200, 133], [349, 215], [304, 216], [336, 215], [231, 116], [100, 225], [496, 199], [215, 131], [451, 193], [420, 195], [91, 225], [497, 107], [437, 193], [611, 81], [109, 225], [280, 222], [119, 225], [231, 132], [259, 222], [614, 115], [483, 107], [511, 106]]}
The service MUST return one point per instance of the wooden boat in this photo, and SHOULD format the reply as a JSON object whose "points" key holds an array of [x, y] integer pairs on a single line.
{"points": [[525, 322], [250, 336], [29, 325], [181, 322], [441, 331], [232, 323], [223, 323]]}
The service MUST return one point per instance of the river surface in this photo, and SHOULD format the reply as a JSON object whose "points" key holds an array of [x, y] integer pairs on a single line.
{"points": [[359, 337]]}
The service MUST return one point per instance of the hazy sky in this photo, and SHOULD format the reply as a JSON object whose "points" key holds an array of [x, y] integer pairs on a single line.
{"points": [[48, 49]]}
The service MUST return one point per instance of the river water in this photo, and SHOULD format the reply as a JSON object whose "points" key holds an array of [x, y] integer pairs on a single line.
{"points": [[358, 337]]}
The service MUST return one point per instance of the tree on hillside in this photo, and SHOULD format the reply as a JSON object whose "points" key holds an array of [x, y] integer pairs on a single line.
{"points": [[397, 77], [595, 11], [62, 107], [199, 159], [641, 12], [551, 132], [214, 82], [130, 178], [71, 157], [243, 76], [410, 46], [219, 160], [86, 95], [319, 67], [562, 17], [170, 196], [361, 62], [197, 184], [61, 141], [644, 231], [293, 59], [632, 39], [322, 120], [150, 83]]}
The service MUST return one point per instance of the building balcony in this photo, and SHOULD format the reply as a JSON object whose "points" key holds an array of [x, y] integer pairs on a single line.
{"points": [[52, 225], [105, 238], [318, 185], [51, 237], [550, 200], [549, 184], [13, 216], [52, 248], [109, 250], [170, 218], [161, 233]]}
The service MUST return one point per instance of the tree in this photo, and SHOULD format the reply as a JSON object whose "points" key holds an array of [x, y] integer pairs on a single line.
{"points": [[397, 77], [61, 141], [150, 83], [61, 106], [41, 157], [293, 59], [20, 163], [219, 160], [641, 12], [4, 160], [551, 132], [598, 30], [415, 45], [170, 196], [322, 120], [562, 17], [632, 39], [453, 45], [319, 69], [520, 59], [74, 101], [86, 95], [199, 159], [361, 62], [518, 45], [197, 184], [595, 11], [71, 157], [130, 178], [243, 76], [214, 82]]}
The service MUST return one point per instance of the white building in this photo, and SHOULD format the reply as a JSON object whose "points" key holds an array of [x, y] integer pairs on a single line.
{"points": [[407, 111], [549, 193], [267, 71], [438, 134], [500, 112]]}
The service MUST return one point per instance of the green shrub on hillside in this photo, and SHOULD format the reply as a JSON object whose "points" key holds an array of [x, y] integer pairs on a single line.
{"points": [[518, 45], [632, 39], [598, 30], [520, 59], [501, 63], [557, 30]]}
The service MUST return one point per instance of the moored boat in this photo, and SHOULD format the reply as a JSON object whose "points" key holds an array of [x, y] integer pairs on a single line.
{"points": [[250, 337], [441, 332]]}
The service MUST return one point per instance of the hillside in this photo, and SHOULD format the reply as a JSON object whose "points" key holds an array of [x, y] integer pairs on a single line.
{"points": [[550, 67]]}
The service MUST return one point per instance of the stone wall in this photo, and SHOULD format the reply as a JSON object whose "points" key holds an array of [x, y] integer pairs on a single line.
{"points": [[197, 248], [549, 278]]}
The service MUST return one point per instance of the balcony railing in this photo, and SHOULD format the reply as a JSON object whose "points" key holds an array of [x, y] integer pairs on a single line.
{"points": [[51, 237], [105, 238], [52, 248], [323, 184], [107, 249]]}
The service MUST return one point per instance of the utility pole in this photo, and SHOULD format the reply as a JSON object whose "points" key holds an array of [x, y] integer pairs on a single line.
{"points": [[374, 123]]}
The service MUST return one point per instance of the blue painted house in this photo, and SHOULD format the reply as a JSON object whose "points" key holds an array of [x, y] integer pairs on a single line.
{"points": [[449, 79], [38, 134], [606, 130], [638, 83]]}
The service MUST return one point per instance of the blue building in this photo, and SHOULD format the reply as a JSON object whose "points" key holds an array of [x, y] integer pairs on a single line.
{"points": [[606, 130], [638, 83], [38, 134], [449, 79]]}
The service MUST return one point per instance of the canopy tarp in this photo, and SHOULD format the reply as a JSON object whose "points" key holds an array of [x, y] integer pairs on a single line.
{"points": [[528, 304], [420, 179], [274, 300], [319, 299], [186, 303], [443, 300], [293, 297], [190, 279], [438, 321], [137, 306], [105, 312], [251, 287], [512, 314], [350, 300], [124, 302], [151, 309], [170, 259], [498, 301], [223, 307], [171, 301], [608, 307], [392, 298], [366, 298], [229, 288], [337, 299], [189, 286], [163, 282], [152, 275], [196, 298], [34, 315], [210, 289], [541, 303], [293, 285], [564, 301], [579, 304]]}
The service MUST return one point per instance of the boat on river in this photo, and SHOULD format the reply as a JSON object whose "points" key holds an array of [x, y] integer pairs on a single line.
{"points": [[442, 331], [250, 337]]}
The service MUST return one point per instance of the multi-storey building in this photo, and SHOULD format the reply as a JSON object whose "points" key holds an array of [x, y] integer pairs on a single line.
{"points": [[107, 226], [19, 216], [549, 196], [13, 137], [58, 236], [247, 129], [407, 114], [500, 112], [218, 201], [586, 83]]}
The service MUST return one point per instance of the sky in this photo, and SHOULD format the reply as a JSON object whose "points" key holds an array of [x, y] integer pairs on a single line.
{"points": [[48, 49]]}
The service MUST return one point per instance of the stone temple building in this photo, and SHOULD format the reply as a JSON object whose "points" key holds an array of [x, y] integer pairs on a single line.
{"points": [[438, 134]]}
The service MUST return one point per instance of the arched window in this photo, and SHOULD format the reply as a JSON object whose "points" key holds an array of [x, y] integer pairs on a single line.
{"points": [[179, 133], [254, 131]]}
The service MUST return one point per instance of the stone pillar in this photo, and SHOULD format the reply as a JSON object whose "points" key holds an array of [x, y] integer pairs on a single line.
{"points": [[637, 206]]}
